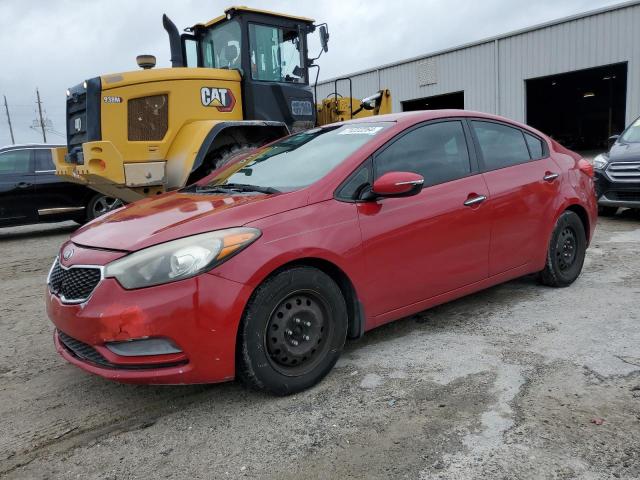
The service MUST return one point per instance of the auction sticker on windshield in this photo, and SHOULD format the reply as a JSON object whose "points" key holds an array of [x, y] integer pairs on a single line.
{"points": [[360, 131]]}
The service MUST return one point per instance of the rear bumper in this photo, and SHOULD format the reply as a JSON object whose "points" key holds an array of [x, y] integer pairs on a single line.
{"points": [[199, 315], [616, 194]]}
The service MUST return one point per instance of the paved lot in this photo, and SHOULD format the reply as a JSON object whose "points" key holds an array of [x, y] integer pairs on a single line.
{"points": [[506, 384]]}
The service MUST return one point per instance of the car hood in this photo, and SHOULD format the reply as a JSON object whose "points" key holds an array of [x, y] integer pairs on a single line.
{"points": [[624, 152], [176, 215]]}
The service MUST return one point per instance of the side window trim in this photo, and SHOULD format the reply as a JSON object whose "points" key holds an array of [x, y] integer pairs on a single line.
{"points": [[368, 164], [472, 154], [476, 142], [545, 148]]}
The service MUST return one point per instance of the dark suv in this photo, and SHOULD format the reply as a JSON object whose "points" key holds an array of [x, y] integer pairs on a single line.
{"points": [[30, 191], [617, 172]]}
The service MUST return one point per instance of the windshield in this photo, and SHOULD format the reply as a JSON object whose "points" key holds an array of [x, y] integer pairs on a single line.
{"points": [[632, 134], [221, 46], [298, 160]]}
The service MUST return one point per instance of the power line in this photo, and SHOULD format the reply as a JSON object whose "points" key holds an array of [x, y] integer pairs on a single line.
{"points": [[6, 108], [44, 135]]}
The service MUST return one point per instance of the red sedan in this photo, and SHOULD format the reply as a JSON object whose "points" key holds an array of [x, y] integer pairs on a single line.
{"points": [[263, 269]]}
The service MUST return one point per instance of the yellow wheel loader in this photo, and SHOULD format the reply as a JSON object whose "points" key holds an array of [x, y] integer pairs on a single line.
{"points": [[238, 81]]}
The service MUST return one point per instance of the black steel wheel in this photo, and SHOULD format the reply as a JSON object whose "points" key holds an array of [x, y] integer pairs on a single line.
{"points": [[297, 333], [566, 251], [292, 332]]}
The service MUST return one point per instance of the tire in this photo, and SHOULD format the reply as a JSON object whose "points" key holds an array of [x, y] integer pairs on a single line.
{"points": [[217, 159], [566, 252], [99, 205], [607, 211], [292, 332]]}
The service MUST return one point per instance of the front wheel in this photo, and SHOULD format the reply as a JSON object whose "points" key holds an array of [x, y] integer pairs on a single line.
{"points": [[566, 252], [293, 331]]}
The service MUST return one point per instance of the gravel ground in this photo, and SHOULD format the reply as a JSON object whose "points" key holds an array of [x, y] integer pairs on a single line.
{"points": [[519, 381]]}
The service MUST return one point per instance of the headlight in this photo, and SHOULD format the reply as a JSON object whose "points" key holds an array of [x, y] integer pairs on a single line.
{"points": [[600, 162], [179, 259]]}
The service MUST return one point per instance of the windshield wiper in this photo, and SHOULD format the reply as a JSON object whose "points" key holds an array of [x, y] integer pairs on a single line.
{"points": [[238, 187]]}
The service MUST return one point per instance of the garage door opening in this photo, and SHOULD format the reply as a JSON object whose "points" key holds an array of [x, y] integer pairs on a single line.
{"points": [[580, 109], [437, 102]]}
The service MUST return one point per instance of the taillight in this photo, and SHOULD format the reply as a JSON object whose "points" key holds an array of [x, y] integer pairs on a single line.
{"points": [[585, 167]]}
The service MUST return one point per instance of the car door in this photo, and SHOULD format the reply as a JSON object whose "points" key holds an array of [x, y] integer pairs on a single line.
{"points": [[17, 190], [54, 195], [523, 182], [431, 243]]}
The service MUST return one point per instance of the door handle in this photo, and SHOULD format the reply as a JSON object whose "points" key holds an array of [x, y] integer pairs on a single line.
{"points": [[23, 184], [550, 177], [475, 200]]}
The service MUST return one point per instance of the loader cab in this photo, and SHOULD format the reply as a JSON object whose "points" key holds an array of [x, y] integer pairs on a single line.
{"points": [[270, 52]]}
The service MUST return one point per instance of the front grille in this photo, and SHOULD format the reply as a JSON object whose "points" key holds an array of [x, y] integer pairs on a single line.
{"points": [[74, 284], [148, 118], [89, 354], [624, 195], [624, 171]]}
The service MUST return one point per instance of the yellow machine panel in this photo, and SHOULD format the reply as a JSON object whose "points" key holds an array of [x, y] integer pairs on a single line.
{"points": [[141, 120]]}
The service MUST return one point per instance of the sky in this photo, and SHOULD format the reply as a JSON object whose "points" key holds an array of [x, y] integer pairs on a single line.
{"points": [[54, 44]]}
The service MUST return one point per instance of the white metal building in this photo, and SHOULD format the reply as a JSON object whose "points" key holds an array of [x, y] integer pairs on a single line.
{"points": [[576, 78]]}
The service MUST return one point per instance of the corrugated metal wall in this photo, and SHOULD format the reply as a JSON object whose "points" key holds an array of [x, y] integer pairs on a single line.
{"points": [[609, 37]]}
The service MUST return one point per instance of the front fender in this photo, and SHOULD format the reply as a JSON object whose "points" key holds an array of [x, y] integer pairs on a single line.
{"points": [[196, 139]]}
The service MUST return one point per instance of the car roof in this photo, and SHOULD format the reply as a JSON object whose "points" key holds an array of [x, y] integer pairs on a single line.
{"points": [[406, 119], [28, 146]]}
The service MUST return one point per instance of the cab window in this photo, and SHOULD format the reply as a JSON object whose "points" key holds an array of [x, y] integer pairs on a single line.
{"points": [[276, 54], [437, 151], [222, 46]]}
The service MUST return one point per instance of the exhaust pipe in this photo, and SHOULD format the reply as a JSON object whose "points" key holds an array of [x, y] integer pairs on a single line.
{"points": [[177, 60]]}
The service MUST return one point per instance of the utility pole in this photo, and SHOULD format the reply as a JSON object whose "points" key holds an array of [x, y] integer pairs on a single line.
{"points": [[6, 108], [44, 135]]}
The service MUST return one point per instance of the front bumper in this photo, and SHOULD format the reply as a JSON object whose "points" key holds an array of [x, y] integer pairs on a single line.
{"points": [[200, 315], [616, 194]]}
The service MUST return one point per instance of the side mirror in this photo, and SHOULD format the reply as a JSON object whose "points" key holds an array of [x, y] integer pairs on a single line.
{"points": [[398, 184], [324, 38], [612, 140]]}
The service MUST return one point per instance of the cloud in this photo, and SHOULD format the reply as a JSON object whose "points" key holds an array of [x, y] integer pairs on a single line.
{"points": [[54, 44]]}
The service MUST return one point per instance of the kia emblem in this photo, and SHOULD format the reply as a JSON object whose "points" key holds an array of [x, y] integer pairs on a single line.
{"points": [[68, 253]]}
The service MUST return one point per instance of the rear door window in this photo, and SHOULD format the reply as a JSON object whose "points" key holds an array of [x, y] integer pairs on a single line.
{"points": [[437, 151], [44, 162], [501, 146], [535, 146]]}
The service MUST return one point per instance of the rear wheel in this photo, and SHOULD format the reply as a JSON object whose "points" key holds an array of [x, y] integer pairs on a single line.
{"points": [[607, 211], [293, 331], [101, 204], [566, 252]]}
